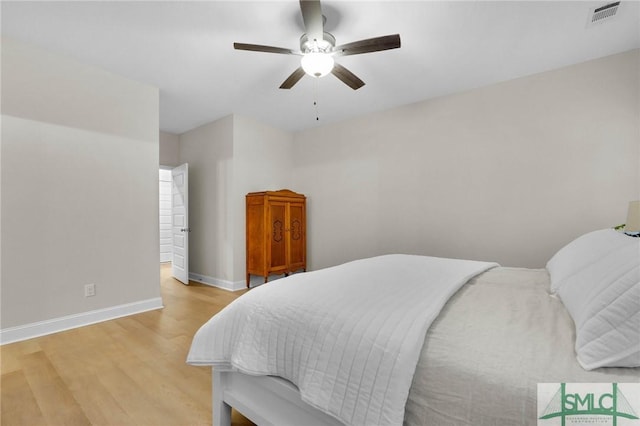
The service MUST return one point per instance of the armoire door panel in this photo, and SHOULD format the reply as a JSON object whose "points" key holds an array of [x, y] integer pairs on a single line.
{"points": [[278, 229], [297, 235]]}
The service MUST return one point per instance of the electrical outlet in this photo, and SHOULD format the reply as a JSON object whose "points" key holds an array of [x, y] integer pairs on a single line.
{"points": [[89, 290]]}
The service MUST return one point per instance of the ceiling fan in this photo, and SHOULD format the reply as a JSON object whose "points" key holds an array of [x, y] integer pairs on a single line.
{"points": [[318, 49]]}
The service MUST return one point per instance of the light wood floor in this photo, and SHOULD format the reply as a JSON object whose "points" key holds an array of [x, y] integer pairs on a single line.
{"points": [[128, 371]]}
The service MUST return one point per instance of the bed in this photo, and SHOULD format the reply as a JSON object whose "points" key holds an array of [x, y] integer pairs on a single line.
{"points": [[475, 356]]}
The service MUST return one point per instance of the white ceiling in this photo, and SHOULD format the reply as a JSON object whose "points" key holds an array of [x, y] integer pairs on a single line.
{"points": [[186, 49]]}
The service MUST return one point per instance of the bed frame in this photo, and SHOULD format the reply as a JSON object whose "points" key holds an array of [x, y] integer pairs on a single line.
{"points": [[265, 400]]}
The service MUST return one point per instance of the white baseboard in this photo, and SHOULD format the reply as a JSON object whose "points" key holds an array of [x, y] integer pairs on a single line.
{"points": [[216, 282], [42, 328]]}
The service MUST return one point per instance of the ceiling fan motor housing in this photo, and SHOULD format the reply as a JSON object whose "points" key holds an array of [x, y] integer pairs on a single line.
{"points": [[323, 46]]}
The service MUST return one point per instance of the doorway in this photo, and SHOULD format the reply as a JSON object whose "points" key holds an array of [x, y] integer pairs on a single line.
{"points": [[166, 251], [174, 219]]}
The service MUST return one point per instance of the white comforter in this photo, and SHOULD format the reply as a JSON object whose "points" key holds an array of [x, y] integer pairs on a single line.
{"points": [[348, 337]]}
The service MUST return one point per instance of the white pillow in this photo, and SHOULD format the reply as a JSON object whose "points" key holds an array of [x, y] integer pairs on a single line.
{"points": [[597, 277]]}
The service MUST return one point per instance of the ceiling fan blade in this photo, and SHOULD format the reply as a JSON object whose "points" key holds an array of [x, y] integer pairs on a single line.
{"points": [[347, 77], [261, 48], [375, 44], [312, 17], [293, 79]]}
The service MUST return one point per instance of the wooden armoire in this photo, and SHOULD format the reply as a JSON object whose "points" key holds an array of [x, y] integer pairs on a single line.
{"points": [[276, 233]]}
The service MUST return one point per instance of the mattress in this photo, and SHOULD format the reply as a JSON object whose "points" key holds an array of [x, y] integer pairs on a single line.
{"points": [[493, 342]]}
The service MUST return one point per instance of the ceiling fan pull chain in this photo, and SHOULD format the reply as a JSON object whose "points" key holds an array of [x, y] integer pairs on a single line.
{"points": [[315, 98]]}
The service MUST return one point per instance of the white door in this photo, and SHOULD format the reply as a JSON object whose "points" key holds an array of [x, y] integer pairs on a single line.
{"points": [[180, 222]]}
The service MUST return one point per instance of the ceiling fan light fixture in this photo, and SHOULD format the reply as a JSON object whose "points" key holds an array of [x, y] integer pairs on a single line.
{"points": [[317, 64]]}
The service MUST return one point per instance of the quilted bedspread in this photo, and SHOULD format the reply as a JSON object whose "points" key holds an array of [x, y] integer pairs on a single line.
{"points": [[348, 337]]}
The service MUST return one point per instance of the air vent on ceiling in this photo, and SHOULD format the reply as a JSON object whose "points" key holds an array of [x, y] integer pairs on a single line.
{"points": [[603, 13]]}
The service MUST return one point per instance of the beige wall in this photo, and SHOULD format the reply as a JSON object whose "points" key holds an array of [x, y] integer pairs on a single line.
{"points": [[79, 188], [263, 162], [209, 151], [227, 159], [169, 149], [508, 173]]}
